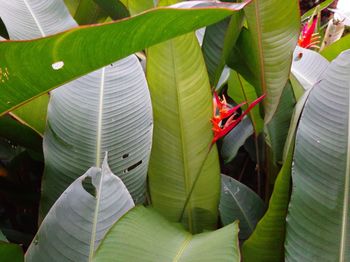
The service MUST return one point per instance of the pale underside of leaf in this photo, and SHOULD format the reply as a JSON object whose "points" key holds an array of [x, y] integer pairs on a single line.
{"points": [[319, 207], [78, 221]]}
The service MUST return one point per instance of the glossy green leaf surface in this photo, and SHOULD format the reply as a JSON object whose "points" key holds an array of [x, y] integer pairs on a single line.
{"points": [[79, 219], [11, 252], [115, 9], [267, 47], [89, 12], [318, 217], [266, 242], [182, 108], [143, 235], [239, 202], [63, 58]]}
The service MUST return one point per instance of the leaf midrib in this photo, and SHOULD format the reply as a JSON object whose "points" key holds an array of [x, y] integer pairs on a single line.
{"points": [[182, 135], [34, 17]]}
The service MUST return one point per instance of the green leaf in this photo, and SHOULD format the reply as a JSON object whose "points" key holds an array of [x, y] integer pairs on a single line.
{"points": [[332, 51], [239, 202], [236, 138], [308, 66], [79, 219], [33, 114], [267, 47], [217, 43], [20, 134], [182, 108], [241, 91], [63, 59], [72, 5], [115, 9], [11, 252], [107, 110], [137, 6], [278, 127], [82, 125], [266, 242], [318, 216], [319, 7], [89, 12], [143, 235]]}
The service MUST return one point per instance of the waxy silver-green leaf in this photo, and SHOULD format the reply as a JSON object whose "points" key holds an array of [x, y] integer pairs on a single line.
{"points": [[80, 218], [318, 220]]}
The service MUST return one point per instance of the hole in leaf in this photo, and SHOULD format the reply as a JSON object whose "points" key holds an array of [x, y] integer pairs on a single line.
{"points": [[133, 166], [125, 156], [89, 187]]}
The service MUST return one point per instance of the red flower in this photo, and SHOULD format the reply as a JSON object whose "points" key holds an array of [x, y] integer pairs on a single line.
{"points": [[308, 38], [223, 111]]}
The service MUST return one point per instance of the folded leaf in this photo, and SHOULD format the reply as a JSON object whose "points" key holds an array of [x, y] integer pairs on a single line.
{"points": [[79, 219]]}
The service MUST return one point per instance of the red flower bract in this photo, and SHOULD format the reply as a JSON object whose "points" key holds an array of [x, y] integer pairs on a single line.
{"points": [[223, 111], [307, 37]]}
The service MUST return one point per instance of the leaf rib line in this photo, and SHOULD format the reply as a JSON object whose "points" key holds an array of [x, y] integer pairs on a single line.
{"points": [[99, 121], [34, 17], [346, 197], [183, 247]]}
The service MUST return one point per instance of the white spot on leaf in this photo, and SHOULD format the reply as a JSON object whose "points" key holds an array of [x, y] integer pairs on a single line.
{"points": [[57, 65]]}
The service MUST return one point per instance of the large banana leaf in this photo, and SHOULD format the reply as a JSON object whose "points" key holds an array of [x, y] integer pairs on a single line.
{"points": [[88, 116], [107, 110], [182, 105], [66, 56], [143, 235], [239, 202], [318, 219], [267, 47], [79, 219]]}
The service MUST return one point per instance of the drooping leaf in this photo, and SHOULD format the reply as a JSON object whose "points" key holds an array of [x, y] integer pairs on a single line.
{"points": [[266, 242], [308, 66], [318, 219], [182, 107], [238, 202], [241, 91], [143, 235], [278, 127], [79, 219], [235, 139], [11, 252], [62, 57], [87, 117], [332, 51], [266, 48], [217, 43]]}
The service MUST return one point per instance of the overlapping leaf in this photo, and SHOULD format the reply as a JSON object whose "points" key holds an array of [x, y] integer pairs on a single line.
{"points": [[79, 219]]}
